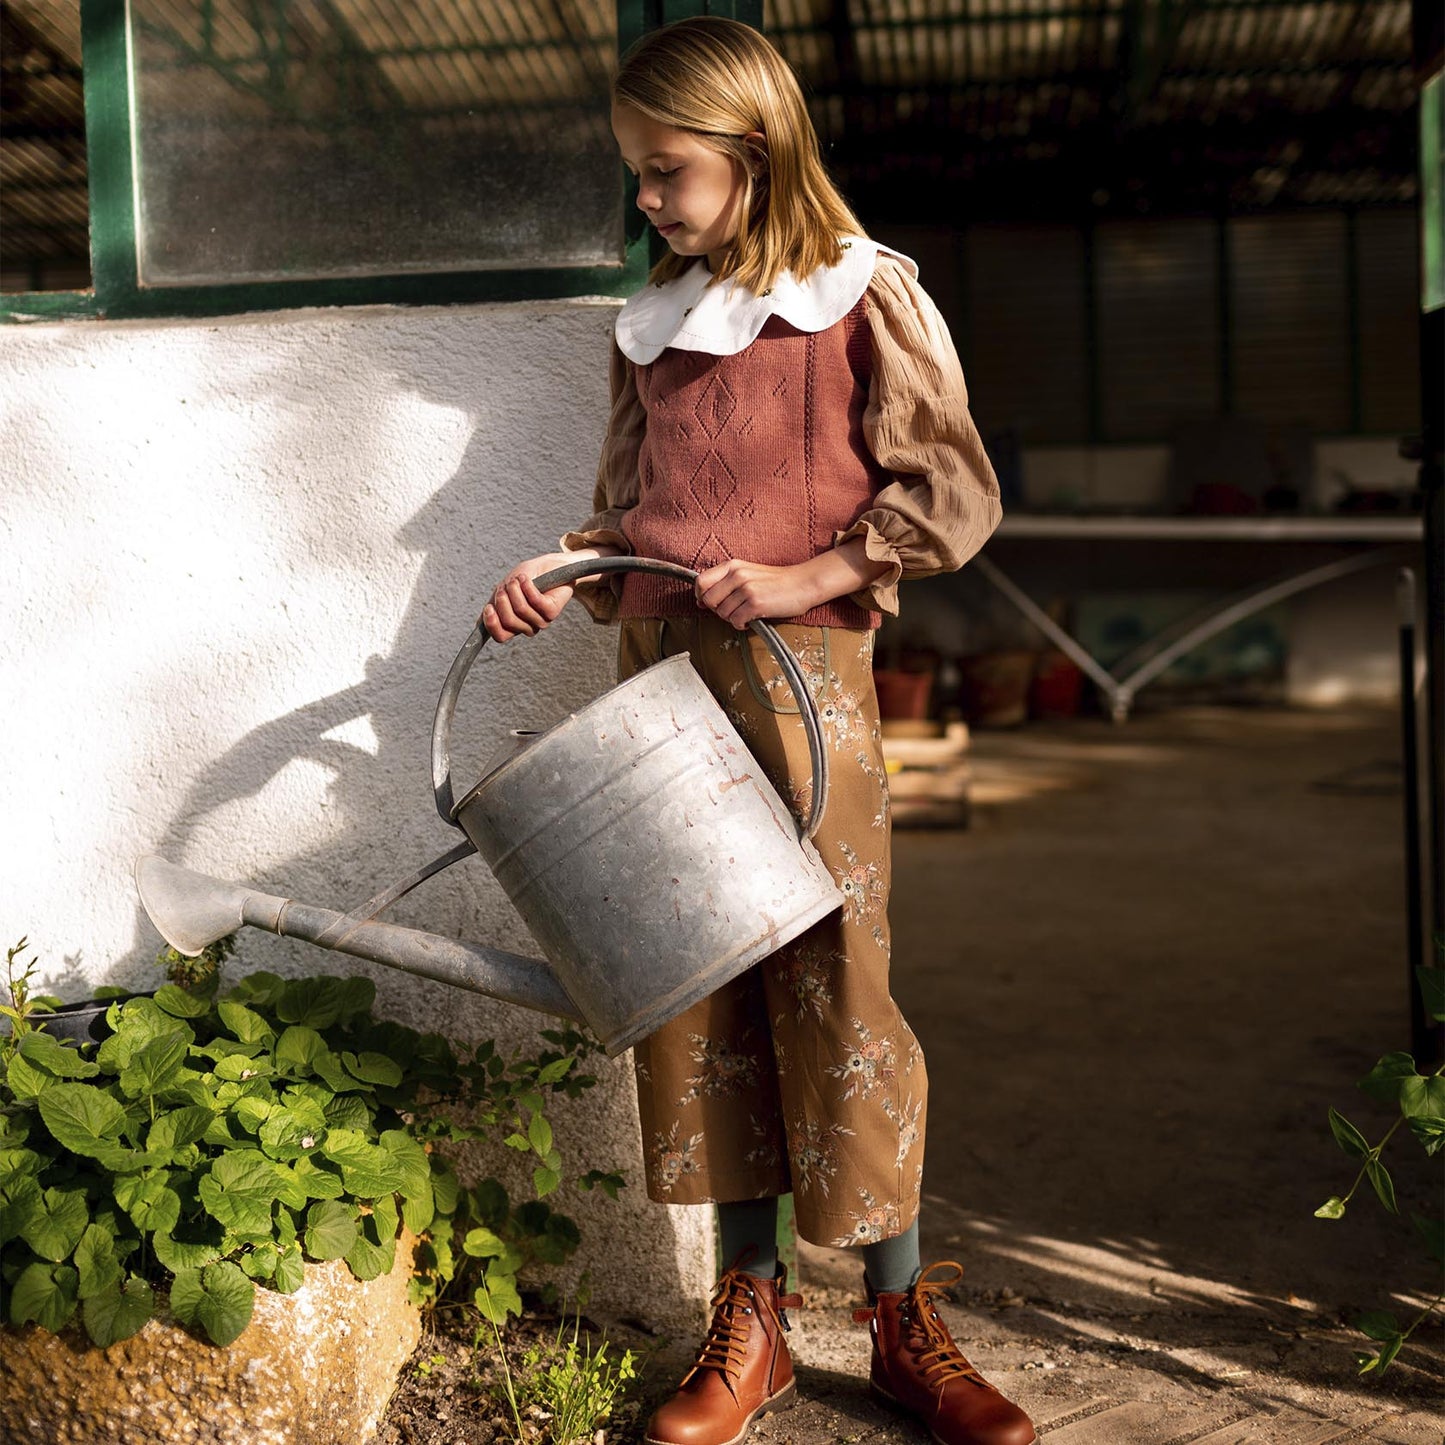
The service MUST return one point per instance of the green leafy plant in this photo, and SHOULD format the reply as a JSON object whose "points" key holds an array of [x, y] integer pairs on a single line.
{"points": [[1420, 1097], [24, 1009], [196, 971], [567, 1388], [214, 1143]]}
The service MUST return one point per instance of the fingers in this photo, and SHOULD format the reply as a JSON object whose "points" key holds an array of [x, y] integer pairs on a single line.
{"points": [[731, 592], [519, 609]]}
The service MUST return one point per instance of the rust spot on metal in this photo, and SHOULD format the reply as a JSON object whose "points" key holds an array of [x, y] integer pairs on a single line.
{"points": [[733, 781]]}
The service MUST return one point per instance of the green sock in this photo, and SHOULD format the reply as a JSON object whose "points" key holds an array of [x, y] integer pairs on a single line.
{"points": [[750, 1225], [891, 1265]]}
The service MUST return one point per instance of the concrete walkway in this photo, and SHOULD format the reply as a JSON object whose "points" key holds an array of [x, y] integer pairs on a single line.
{"points": [[1141, 978]]}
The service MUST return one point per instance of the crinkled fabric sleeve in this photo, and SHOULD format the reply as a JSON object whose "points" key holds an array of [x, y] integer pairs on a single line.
{"points": [[616, 491], [942, 503]]}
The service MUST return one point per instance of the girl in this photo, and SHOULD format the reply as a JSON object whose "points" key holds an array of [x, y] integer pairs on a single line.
{"points": [[789, 420]]}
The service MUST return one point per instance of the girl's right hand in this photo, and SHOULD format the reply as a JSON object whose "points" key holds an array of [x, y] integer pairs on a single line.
{"points": [[517, 608]]}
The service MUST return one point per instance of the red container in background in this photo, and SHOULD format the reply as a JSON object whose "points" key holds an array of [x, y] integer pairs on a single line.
{"points": [[902, 694], [1057, 687]]}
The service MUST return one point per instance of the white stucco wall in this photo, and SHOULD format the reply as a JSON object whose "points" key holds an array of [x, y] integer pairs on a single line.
{"points": [[241, 555]]}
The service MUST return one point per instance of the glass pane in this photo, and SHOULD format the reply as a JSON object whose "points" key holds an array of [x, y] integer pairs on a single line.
{"points": [[44, 194], [311, 138]]}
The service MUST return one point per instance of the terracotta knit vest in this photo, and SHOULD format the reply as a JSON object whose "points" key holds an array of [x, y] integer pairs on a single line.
{"points": [[758, 456]]}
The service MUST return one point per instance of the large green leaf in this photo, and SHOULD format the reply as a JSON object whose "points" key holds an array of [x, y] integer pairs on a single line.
{"points": [[290, 1269], [259, 987], [240, 1191], [413, 1160], [348, 1111], [27, 1081], [419, 1213], [374, 1252], [1384, 1080], [293, 1129], [298, 1048], [52, 1056], [155, 1065], [20, 1202], [315, 1002], [96, 1262], [260, 1263], [181, 1003], [44, 1293], [1423, 1098], [87, 1121], [149, 1200], [54, 1229], [239, 1068], [483, 1244], [179, 1254], [372, 1068], [357, 994], [367, 1169], [218, 1298], [497, 1297], [178, 1128], [246, 1024], [318, 1183], [331, 1229], [328, 1066], [117, 1313]]}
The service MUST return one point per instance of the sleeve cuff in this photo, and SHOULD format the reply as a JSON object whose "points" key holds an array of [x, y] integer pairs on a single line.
{"points": [[601, 595], [881, 595]]}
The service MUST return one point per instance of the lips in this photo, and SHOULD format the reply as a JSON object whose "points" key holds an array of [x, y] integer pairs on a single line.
{"points": [[669, 228]]}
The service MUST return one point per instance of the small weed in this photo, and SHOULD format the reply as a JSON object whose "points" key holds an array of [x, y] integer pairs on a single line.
{"points": [[425, 1367], [565, 1389]]}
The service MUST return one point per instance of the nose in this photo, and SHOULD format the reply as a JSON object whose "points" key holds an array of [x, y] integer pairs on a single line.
{"points": [[648, 198]]}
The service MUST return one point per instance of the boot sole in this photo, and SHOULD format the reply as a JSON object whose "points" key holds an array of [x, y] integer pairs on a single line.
{"points": [[882, 1395], [783, 1400]]}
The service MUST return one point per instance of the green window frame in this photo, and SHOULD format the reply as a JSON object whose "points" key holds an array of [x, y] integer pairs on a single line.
{"points": [[116, 292]]}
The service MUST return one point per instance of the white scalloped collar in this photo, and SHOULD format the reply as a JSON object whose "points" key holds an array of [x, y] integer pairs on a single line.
{"points": [[722, 320]]}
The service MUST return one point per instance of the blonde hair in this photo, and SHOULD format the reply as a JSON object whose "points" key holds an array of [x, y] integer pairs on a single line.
{"points": [[721, 81]]}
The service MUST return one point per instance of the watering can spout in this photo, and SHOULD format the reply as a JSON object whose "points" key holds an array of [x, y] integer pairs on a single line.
{"points": [[190, 910]]}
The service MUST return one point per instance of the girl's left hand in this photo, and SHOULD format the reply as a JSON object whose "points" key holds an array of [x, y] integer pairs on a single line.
{"points": [[739, 592]]}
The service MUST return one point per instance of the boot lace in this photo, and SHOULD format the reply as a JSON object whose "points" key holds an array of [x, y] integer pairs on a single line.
{"points": [[736, 1298], [938, 1356]]}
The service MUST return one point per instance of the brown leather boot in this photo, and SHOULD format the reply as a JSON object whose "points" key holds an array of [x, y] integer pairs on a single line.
{"points": [[743, 1369], [918, 1368]]}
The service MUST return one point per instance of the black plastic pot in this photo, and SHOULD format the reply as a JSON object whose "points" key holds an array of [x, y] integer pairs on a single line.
{"points": [[82, 1022]]}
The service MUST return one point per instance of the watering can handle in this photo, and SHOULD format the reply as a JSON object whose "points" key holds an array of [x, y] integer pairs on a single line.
{"points": [[441, 763]]}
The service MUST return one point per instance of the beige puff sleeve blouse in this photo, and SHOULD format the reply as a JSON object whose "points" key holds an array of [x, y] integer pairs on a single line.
{"points": [[943, 500]]}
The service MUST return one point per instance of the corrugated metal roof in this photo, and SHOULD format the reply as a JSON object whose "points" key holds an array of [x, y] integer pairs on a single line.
{"points": [[932, 109]]}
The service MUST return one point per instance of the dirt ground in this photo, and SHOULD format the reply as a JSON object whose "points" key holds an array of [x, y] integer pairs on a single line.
{"points": [[1160, 954]]}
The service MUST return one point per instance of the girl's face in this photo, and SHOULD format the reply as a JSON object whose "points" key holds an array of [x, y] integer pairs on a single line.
{"points": [[690, 192]]}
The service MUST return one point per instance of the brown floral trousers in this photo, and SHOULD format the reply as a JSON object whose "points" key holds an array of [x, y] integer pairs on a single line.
{"points": [[801, 1074]]}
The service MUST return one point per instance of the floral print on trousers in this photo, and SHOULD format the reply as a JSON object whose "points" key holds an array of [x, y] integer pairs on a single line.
{"points": [[801, 1074]]}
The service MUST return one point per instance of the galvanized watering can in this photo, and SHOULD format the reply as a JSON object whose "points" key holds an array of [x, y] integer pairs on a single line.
{"points": [[641, 842]]}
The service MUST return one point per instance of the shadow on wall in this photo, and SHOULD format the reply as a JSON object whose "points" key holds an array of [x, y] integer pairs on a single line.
{"points": [[370, 743]]}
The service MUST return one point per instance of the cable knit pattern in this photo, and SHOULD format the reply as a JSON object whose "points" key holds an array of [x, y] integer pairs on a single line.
{"points": [[897, 406], [757, 455]]}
